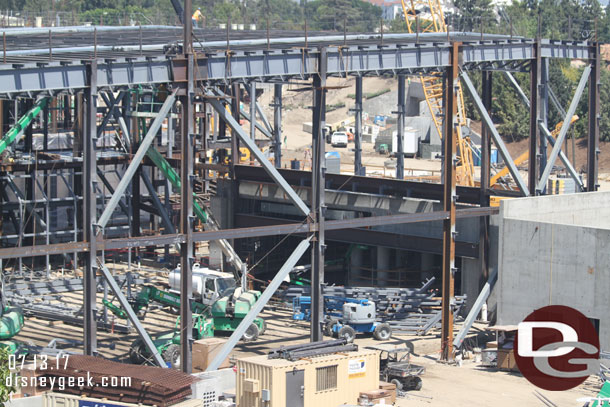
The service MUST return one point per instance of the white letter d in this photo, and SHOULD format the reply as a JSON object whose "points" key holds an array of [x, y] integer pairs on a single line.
{"points": [[526, 342]]}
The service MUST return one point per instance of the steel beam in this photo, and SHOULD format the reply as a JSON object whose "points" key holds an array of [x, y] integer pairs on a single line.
{"points": [[487, 81], [547, 134], [535, 115], [264, 119], [317, 198], [257, 125], [400, 129], [358, 128], [89, 213], [564, 129], [476, 308], [449, 199], [240, 233], [161, 209], [277, 124], [244, 138], [253, 111], [136, 160], [186, 203], [259, 305], [594, 118], [543, 118], [514, 171], [116, 289]]}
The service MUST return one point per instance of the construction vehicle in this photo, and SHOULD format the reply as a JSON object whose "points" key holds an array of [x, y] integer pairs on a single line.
{"points": [[11, 324], [395, 367], [357, 316], [224, 315], [208, 284]]}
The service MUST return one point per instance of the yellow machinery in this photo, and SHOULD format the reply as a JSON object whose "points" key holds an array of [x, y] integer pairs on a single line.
{"points": [[427, 16], [525, 156]]}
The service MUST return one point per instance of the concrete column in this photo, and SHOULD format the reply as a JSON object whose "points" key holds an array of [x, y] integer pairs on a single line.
{"points": [[355, 271], [384, 256]]}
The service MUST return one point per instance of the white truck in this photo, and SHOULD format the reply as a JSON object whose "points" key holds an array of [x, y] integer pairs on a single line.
{"points": [[208, 284], [339, 139]]}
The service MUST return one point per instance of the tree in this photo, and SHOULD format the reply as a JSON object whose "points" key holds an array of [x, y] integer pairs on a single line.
{"points": [[359, 15], [471, 14]]}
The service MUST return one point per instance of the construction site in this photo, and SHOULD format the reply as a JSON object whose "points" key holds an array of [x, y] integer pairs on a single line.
{"points": [[224, 217]]}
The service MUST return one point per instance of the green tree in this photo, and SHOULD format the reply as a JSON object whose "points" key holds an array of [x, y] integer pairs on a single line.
{"points": [[357, 15], [471, 13]]}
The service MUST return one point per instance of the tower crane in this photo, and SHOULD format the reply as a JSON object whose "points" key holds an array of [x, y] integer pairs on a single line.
{"points": [[432, 84]]}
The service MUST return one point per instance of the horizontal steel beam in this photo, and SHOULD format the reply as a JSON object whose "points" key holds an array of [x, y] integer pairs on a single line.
{"points": [[362, 57], [240, 233]]}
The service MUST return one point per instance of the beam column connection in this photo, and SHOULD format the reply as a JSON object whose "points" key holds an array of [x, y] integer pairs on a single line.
{"points": [[89, 212], [594, 117], [358, 170], [186, 209], [317, 204], [277, 124], [449, 198]]}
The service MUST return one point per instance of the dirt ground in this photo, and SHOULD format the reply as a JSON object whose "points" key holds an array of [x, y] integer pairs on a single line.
{"points": [[468, 385]]}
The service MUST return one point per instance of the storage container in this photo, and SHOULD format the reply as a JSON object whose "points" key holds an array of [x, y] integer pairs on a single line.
{"points": [[329, 380]]}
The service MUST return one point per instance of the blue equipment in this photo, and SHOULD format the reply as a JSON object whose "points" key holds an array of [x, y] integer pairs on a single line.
{"points": [[344, 317]]}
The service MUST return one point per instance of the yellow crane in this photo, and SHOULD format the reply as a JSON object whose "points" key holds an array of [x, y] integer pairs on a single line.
{"points": [[427, 16]]}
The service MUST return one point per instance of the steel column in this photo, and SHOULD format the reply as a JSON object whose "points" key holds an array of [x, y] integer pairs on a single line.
{"points": [[89, 212], [485, 176], [564, 129], [277, 124], [259, 304], [358, 128], [186, 200], [253, 110], [235, 112], [535, 115], [317, 198], [543, 116], [400, 129], [449, 198], [594, 118]]}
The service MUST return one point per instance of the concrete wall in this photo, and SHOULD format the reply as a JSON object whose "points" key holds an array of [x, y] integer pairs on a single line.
{"points": [[544, 261], [571, 209]]}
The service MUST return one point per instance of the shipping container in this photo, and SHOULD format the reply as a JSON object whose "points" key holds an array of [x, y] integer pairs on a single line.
{"points": [[329, 380]]}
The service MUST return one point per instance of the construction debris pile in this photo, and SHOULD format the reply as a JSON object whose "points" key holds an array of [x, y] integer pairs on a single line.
{"points": [[146, 384]]}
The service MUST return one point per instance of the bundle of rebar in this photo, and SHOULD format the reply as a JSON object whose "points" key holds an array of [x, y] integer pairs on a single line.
{"points": [[118, 381], [313, 349]]}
